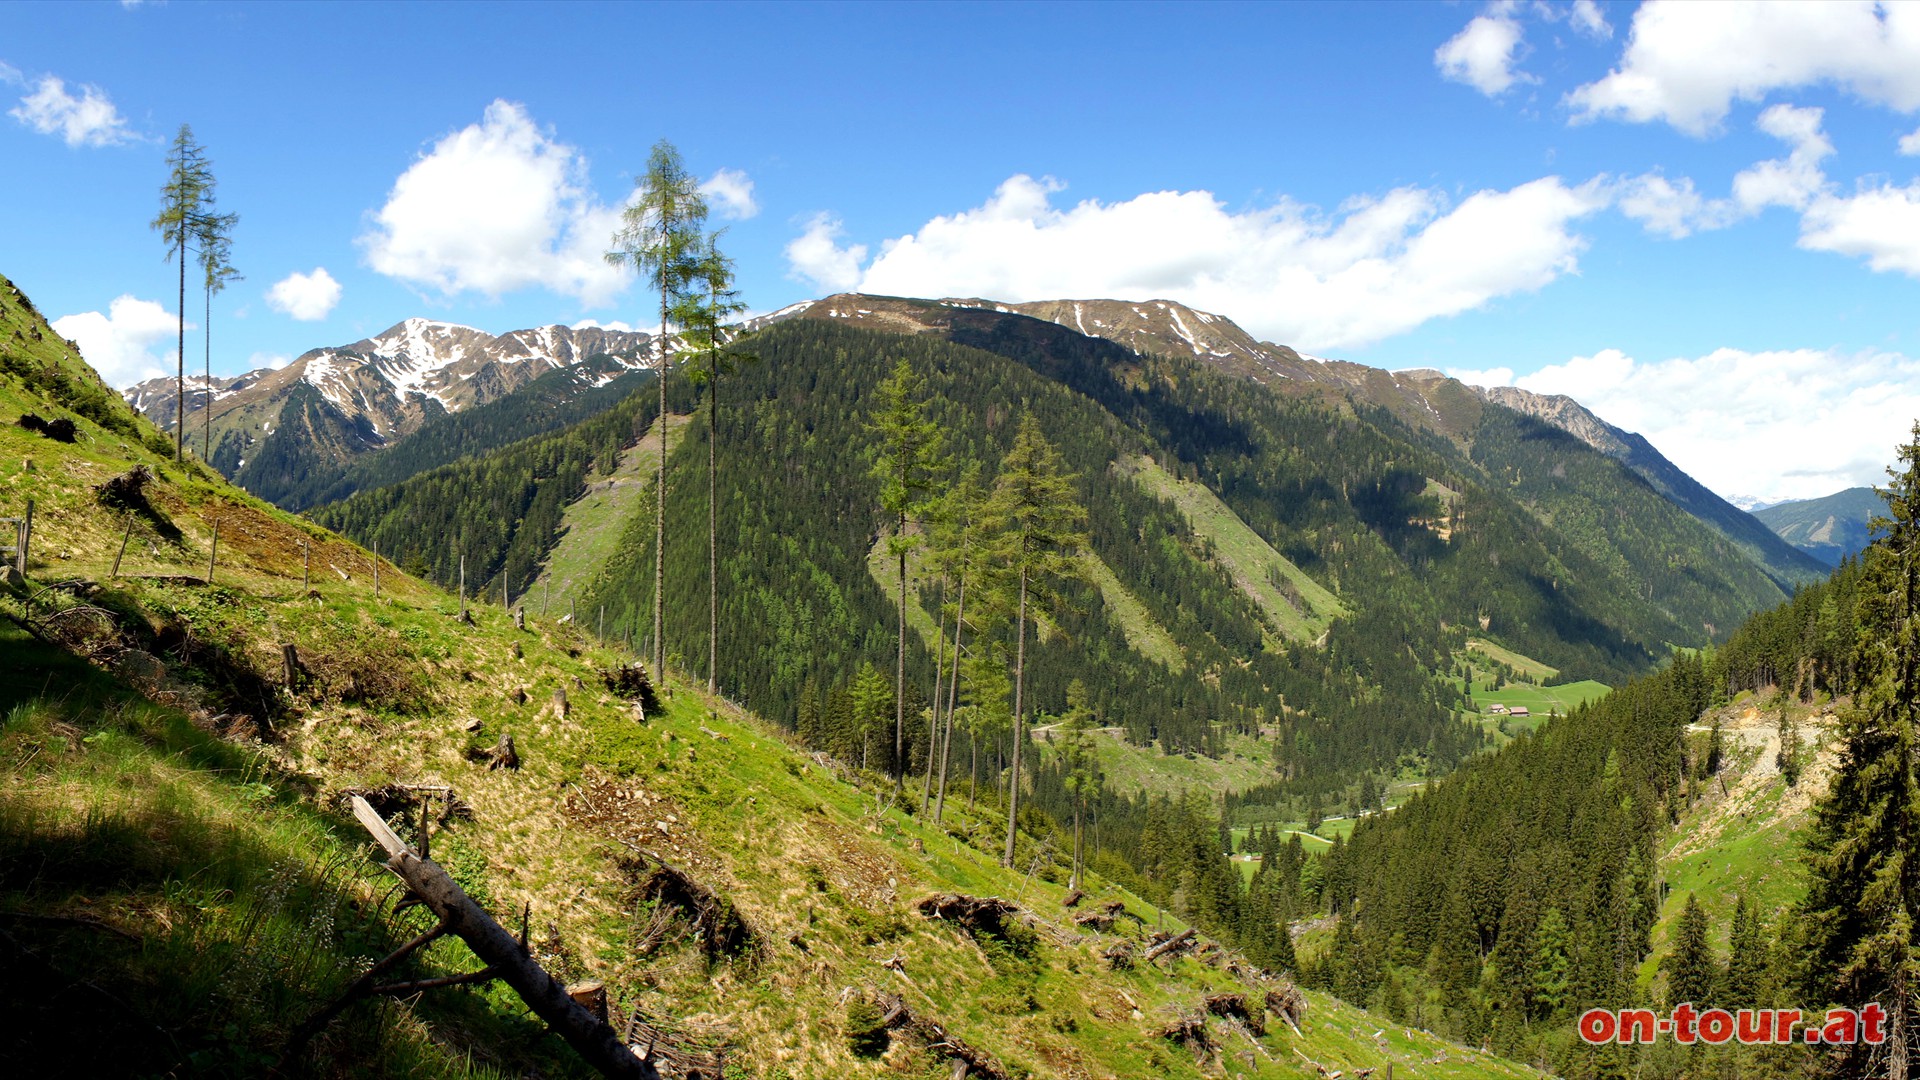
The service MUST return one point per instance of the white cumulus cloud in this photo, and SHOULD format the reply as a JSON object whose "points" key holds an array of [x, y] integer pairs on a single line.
{"points": [[494, 207], [89, 119], [1484, 54], [121, 344], [305, 297], [730, 193], [595, 324], [816, 257], [1910, 143], [1588, 19], [1880, 224], [1686, 63], [1675, 209], [275, 361], [1734, 419], [1378, 267]]}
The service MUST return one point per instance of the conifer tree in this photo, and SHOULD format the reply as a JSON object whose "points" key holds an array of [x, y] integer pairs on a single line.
{"points": [[184, 201], [1863, 898], [1691, 969], [957, 551], [703, 311], [1552, 965], [909, 460], [1746, 958], [660, 235], [1040, 523], [216, 248], [1080, 766]]}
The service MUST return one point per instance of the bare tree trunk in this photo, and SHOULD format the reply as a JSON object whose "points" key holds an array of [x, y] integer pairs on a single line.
{"points": [[660, 518], [1019, 719], [713, 520], [933, 715], [1074, 881], [589, 1035], [180, 353], [206, 442], [900, 674], [953, 693]]}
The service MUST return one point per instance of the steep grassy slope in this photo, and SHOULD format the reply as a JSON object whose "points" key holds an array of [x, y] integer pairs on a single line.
{"points": [[178, 887], [593, 522]]}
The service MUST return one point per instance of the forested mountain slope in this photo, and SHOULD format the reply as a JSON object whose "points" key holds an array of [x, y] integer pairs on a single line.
{"points": [[181, 889], [1830, 528], [1534, 539], [1552, 876]]}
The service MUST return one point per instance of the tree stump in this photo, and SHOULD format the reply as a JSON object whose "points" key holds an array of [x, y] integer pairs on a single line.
{"points": [[504, 756]]}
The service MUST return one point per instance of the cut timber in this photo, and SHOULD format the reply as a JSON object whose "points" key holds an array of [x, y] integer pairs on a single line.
{"points": [[716, 736], [1175, 944], [982, 914], [598, 1044], [967, 1060], [1289, 1004], [1073, 899], [721, 929], [1094, 920], [1235, 1007], [1190, 1031], [1119, 955]]}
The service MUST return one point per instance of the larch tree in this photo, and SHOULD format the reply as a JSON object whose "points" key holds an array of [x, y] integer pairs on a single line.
{"points": [[1041, 526], [1080, 768], [957, 550], [909, 461], [662, 234], [184, 200], [703, 313], [1863, 896], [215, 233]]}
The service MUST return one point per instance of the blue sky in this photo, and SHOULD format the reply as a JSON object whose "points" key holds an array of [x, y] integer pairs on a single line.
{"points": [[1697, 219]]}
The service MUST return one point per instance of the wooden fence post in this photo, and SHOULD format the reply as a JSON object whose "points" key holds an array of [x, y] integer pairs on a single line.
{"points": [[545, 598], [26, 538], [463, 586], [290, 663], [520, 618], [124, 537], [306, 564], [214, 551], [602, 632]]}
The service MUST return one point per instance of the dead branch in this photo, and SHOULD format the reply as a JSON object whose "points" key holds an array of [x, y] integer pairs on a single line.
{"points": [[598, 1044], [1176, 944], [1235, 1006], [968, 1059]]}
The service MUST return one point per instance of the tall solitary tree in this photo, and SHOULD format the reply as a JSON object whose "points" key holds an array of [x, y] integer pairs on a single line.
{"points": [[215, 234], [661, 235], [909, 461], [1863, 898], [1040, 525], [703, 313], [184, 202]]}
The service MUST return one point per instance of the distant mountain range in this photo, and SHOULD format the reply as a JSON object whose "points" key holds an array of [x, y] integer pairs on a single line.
{"points": [[1828, 528], [274, 429]]}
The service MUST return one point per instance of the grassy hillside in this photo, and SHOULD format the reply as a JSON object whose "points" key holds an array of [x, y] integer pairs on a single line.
{"points": [[591, 524], [179, 887]]}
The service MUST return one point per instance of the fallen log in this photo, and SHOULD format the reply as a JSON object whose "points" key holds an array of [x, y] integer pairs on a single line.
{"points": [[1289, 1004], [596, 1043], [983, 914], [1175, 944], [1094, 920]]}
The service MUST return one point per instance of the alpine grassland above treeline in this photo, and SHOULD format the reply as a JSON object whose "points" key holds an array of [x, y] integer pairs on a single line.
{"points": [[180, 888]]}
